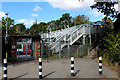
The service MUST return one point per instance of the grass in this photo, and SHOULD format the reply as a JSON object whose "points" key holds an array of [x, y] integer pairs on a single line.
{"points": [[119, 72], [64, 56], [107, 62]]}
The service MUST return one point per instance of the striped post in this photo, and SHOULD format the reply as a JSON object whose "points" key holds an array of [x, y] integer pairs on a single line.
{"points": [[72, 66], [40, 68], [100, 65], [5, 70]]}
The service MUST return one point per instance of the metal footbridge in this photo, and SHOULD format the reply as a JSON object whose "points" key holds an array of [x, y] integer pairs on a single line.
{"points": [[61, 38]]}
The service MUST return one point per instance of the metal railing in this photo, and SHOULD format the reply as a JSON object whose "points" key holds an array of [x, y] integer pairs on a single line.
{"points": [[69, 34]]}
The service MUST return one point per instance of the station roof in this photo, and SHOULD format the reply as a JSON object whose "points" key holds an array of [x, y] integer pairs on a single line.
{"points": [[25, 36]]}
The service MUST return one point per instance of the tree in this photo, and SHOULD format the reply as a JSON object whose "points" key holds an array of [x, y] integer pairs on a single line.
{"points": [[27, 31], [34, 29], [40, 26], [20, 28], [9, 23], [66, 18], [57, 24], [107, 8], [110, 42], [110, 46], [61, 23], [80, 19], [108, 22]]}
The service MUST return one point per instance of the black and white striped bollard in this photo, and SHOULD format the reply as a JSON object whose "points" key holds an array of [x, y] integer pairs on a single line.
{"points": [[100, 65], [5, 70], [72, 66], [40, 68]]}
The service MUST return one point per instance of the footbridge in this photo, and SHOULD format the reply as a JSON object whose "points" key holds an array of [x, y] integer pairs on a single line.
{"points": [[60, 38]]}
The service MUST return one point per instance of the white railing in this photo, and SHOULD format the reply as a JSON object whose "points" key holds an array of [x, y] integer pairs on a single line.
{"points": [[71, 34], [62, 35]]}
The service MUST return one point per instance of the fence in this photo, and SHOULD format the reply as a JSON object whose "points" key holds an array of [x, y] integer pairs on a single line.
{"points": [[66, 52]]}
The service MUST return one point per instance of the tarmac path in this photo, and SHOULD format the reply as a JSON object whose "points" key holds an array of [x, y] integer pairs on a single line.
{"points": [[84, 68]]}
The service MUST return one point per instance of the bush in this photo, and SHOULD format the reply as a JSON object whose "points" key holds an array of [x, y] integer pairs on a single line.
{"points": [[110, 45]]}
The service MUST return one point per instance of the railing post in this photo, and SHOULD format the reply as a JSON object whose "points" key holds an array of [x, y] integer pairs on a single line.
{"points": [[83, 30], [71, 38], [77, 33]]}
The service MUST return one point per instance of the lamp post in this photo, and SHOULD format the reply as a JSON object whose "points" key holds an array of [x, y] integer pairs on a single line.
{"points": [[6, 27]]}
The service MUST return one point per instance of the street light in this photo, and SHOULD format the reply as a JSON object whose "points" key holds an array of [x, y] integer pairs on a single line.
{"points": [[6, 27]]}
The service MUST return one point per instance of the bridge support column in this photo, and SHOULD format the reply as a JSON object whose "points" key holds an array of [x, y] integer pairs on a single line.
{"points": [[89, 35], [90, 38], [68, 48], [59, 49], [84, 39]]}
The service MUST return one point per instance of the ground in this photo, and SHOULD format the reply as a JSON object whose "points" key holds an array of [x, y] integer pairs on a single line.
{"points": [[60, 68]]}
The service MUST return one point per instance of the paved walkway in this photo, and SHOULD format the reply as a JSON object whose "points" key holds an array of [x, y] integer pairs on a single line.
{"points": [[84, 68], [0, 72]]}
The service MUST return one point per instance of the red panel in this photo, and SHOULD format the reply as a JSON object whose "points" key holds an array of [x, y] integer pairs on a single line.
{"points": [[24, 48]]}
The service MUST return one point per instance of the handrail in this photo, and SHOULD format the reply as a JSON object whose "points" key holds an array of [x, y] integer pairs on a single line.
{"points": [[63, 35], [56, 44], [72, 34]]}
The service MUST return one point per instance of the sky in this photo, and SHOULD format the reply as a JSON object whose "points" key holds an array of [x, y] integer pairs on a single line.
{"points": [[24, 11]]}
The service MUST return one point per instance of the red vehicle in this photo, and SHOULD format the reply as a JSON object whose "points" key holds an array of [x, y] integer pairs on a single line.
{"points": [[21, 47]]}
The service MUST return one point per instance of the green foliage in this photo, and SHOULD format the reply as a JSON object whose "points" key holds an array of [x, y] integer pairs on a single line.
{"points": [[10, 26], [21, 28], [110, 45], [108, 22], [66, 16], [80, 19], [107, 8], [63, 22]]}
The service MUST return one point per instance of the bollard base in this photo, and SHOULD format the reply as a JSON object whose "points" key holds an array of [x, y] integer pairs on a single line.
{"points": [[40, 77], [72, 74], [100, 73], [5, 78]]}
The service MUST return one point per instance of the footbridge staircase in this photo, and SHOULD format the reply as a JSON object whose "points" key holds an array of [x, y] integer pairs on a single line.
{"points": [[60, 38]]}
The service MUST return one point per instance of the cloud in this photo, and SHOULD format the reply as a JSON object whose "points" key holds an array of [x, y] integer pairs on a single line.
{"points": [[35, 15], [37, 8], [71, 4], [2, 14], [95, 13], [116, 7], [25, 21]]}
